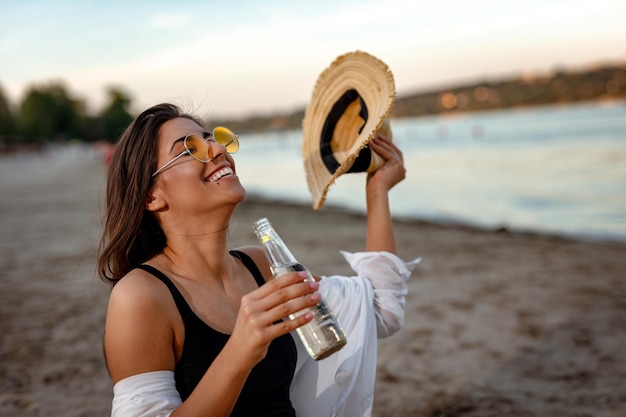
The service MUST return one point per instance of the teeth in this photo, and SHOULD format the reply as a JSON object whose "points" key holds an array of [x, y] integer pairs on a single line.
{"points": [[220, 174]]}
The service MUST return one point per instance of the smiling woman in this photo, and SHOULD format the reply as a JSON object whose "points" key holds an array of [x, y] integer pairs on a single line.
{"points": [[179, 285], [186, 311]]}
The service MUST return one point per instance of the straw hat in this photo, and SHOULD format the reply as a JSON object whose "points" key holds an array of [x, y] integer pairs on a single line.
{"points": [[349, 107]]}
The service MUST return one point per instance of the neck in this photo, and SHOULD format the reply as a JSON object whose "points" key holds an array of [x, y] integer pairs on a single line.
{"points": [[197, 245], [200, 255]]}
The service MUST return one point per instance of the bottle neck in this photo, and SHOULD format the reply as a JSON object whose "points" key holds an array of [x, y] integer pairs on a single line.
{"points": [[277, 252]]}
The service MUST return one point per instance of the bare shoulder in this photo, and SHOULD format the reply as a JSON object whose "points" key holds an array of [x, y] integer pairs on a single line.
{"points": [[140, 326], [139, 289], [258, 256], [141, 295]]}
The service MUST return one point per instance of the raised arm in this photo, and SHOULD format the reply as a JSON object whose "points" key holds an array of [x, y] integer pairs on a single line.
{"points": [[380, 236], [369, 305]]}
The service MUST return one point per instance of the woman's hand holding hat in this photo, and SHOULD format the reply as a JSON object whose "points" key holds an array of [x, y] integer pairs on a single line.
{"points": [[392, 171]]}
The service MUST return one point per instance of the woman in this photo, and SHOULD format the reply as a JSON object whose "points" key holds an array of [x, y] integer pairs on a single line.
{"points": [[193, 328]]}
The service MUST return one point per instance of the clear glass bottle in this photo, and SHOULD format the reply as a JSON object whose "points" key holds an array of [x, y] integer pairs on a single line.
{"points": [[323, 335]]}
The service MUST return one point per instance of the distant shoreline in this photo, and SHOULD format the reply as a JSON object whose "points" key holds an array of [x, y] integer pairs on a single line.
{"points": [[529, 90]]}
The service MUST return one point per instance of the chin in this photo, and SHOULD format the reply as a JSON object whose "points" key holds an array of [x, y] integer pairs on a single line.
{"points": [[241, 195]]}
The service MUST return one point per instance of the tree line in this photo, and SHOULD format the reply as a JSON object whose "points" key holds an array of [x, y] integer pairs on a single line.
{"points": [[50, 113], [561, 86], [597, 83]]}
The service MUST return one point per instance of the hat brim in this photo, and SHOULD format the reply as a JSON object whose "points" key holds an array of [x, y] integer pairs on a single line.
{"points": [[374, 83]]}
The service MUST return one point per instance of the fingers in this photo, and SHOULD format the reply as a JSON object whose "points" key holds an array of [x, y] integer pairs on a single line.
{"points": [[386, 148], [261, 311], [288, 300], [392, 171], [281, 287], [279, 298]]}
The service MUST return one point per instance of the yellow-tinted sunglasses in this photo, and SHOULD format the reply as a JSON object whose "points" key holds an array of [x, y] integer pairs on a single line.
{"points": [[201, 149]]}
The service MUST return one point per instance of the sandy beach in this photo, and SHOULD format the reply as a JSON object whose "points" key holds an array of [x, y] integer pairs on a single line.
{"points": [[497, 323]]}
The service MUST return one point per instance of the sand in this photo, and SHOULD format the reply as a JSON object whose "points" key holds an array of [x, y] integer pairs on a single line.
{"points": [[497, 323]]}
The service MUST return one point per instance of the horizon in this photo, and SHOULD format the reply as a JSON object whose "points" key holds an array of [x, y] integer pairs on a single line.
{"points": [[265, 58]]}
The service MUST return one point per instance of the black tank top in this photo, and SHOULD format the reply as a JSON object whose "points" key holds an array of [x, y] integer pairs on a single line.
{"points": [[266, 391]]}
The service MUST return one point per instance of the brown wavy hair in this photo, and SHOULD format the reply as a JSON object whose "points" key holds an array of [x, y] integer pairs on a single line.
{"points": [[131, 234]]}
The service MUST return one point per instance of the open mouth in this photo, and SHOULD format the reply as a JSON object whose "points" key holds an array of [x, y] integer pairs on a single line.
{"points": [[220, 173]]}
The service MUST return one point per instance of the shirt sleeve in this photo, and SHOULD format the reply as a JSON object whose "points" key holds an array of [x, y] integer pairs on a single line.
{"points": [[366, 305], [150, 394], [388, 275]]}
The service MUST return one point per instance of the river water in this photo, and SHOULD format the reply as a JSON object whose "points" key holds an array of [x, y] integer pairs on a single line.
{"points": [[552, 169]]}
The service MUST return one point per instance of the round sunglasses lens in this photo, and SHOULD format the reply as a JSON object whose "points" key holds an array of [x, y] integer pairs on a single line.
{"points": [[199, 148], [227, 138]]}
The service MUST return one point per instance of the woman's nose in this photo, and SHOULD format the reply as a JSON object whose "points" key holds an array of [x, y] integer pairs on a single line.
{"points": [[215, 149]]}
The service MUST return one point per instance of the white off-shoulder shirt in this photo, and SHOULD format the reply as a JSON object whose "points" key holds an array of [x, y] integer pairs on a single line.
{"points": [[368, 305]]}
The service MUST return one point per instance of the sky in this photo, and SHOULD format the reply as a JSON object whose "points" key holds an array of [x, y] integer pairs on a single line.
{"points": [[235, 58]]}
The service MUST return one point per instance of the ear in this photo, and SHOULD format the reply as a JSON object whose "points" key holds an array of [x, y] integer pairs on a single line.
{"points": [[154, 203]]}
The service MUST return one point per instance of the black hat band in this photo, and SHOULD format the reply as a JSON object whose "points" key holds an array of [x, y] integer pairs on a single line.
{"points": [[363, 160]]}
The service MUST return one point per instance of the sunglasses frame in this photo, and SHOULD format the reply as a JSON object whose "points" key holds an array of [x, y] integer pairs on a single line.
{"points": [[187, 151]]}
